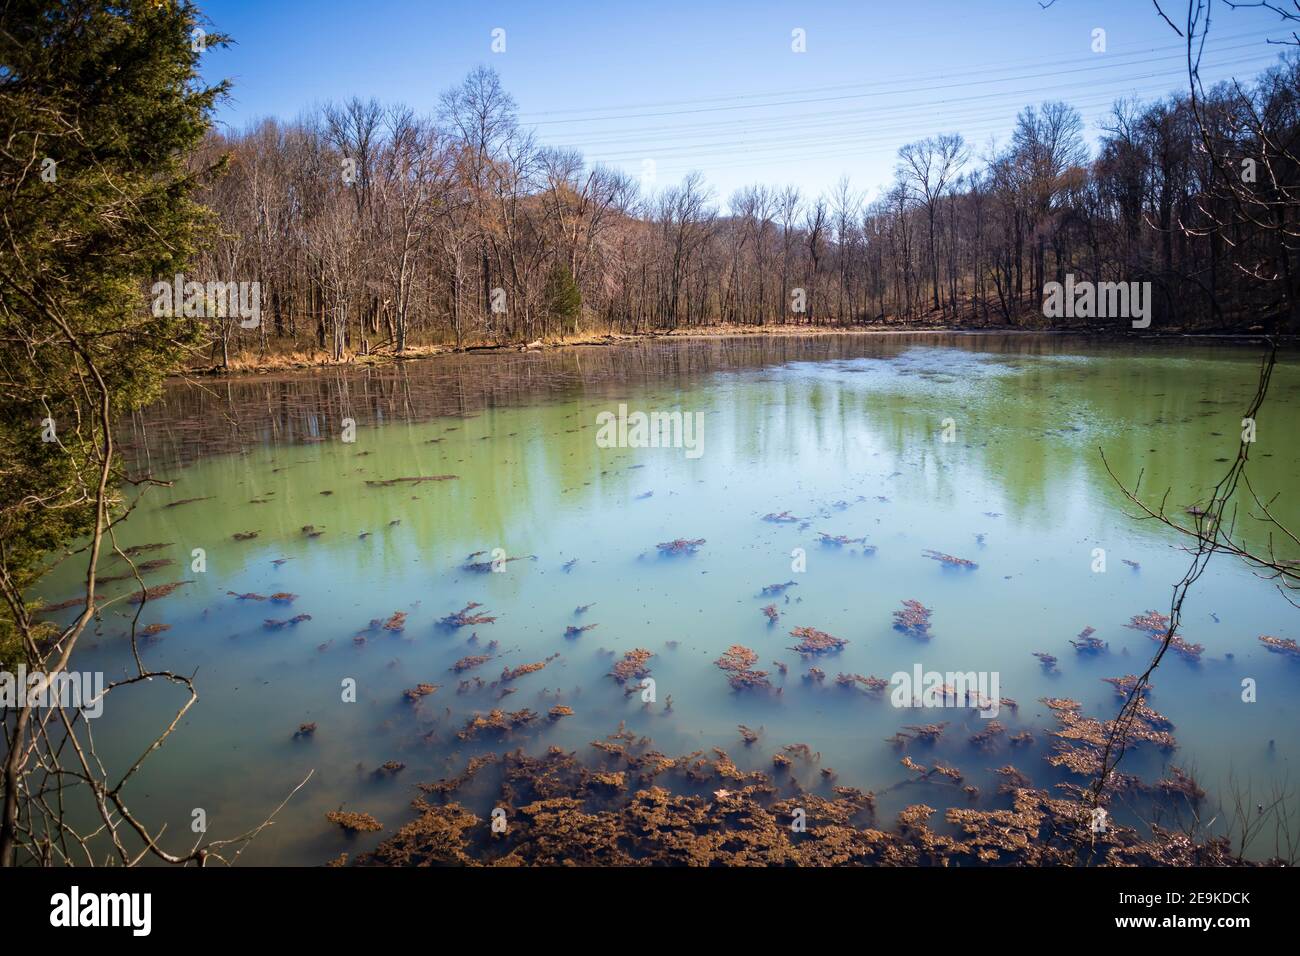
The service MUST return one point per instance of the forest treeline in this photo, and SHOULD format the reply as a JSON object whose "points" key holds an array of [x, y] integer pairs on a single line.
{"points": [[370, 227]]}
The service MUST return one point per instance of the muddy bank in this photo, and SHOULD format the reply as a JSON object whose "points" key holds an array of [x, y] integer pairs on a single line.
{"points": [[251, 364]]}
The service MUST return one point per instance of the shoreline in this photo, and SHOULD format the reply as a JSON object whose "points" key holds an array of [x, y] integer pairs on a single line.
{"points": [[295, 361]]}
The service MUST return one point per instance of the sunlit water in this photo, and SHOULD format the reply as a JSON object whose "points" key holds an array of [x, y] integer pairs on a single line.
{"points": [[846, 433]]}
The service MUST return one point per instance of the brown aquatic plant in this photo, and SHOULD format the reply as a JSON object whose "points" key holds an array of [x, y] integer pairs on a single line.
{"points": [[914, 619], [271, 624], [354, 822], [1279, 645], [496, 721], [156, 592], [511, 673], [738, 662], [417, 480], [1087, 644], [948, 561], [470, 662], [465, 618], [813, 642], [632, 666], [680, 546], [871, 684]]}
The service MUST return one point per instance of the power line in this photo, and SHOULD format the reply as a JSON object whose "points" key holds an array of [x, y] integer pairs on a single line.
{"points": [[965, 82], [763, 142], [831, 117]]}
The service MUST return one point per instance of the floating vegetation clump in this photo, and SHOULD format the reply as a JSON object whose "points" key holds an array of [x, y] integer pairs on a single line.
{"points": [[271, 624], [948, 561], [483, 567], [573, 631], [144, 567], [245, 535], [1279, 645], [419, 692], [924, 733], [1156, 627], [640, 807], [419, 479], [354, 822], [1123, 685], [64, 605], [466, 618], [813, 642], [913, 619], [511, 673], [397, 622], [1152, 621], [157, 592], [783, 517], [249, 596], [773, 615], [496, 722], [841, 541], [305, 730], [872, 685], [558, 711], [1182, 784], [470, 662], [1087, 644], [283, 597], [680, 546], [738, 661], [985, 738], [772, 589], [1047, 660], [632, 666], [134, 550], [1081, 740]]}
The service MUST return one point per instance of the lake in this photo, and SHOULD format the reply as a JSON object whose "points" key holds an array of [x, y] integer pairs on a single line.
{"points": [[982, 447]]}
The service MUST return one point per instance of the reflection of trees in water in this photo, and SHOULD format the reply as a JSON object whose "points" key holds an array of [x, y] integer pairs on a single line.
{"points": [[197, 418]]}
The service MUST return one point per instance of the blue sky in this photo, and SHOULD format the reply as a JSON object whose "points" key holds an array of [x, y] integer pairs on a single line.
{"points": [[715, 86]]}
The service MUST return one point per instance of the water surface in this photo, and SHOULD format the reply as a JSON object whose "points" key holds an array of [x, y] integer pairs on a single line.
{"points": [[844, 432]]}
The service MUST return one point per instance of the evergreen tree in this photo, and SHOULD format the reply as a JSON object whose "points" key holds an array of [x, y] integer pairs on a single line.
{"points": [[563, 298], [101, 109]]}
